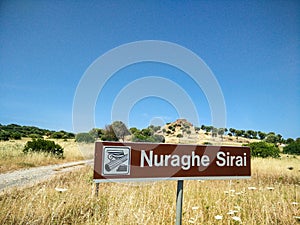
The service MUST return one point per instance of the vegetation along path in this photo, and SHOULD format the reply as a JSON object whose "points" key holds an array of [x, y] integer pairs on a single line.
{"points": [[37, 174]]}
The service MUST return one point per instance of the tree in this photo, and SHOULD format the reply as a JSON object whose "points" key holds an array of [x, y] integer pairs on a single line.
{"points": [[221, 132], [262, 135], [96, 133], [279, 138], [232, 131], [263, 149], [214, 132], [247, 134], [254, 135], [133, 130], [271, 138], [57, 135], [120, 129], [16, 136], [293, 148], [289, 141], [179, 135], [147, 135], [4, 135], [109, 134], [238, 133], [84, 137], [154, 128]]}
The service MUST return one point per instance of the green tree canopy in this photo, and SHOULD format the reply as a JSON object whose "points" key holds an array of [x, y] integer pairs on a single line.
{"points": [[84, 137], [120, 129], [293, 148], [263, 149]]}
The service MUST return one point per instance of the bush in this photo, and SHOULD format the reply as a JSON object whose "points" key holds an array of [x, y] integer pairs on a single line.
{"points": [[145, 135], [179, 135], [159, 138], [41, 145], [4, 135], [84, 137], [16, 136], [263, 149], [293, 148], [35, 136]]}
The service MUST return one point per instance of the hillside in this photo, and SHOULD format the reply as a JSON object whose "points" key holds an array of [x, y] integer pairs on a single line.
{"points": [[16, 132], [182, 131]]}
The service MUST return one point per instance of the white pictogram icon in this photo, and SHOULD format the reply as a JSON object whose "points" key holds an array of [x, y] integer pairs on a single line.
{"points": [[116, 160]]}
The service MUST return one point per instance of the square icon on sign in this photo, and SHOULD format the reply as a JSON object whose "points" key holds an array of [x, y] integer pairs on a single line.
{"points": [[116, 160]]}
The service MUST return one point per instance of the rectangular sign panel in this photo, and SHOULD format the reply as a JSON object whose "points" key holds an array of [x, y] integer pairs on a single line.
{"points": [[121, 161]]}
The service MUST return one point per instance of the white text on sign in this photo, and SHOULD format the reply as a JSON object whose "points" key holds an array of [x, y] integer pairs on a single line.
{"points": [[188, 161]]}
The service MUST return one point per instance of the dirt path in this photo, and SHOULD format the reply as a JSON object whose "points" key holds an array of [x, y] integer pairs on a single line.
{"points": [[37, 174]]}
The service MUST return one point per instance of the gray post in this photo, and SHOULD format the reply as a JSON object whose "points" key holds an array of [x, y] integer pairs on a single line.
{"points": [[179, 199]]}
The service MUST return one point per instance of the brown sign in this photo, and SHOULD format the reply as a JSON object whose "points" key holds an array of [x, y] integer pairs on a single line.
{"points": [[121, 161]]}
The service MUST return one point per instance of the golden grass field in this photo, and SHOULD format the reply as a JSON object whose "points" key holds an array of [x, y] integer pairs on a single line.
{"points": [[12, 157], [271, 196]]}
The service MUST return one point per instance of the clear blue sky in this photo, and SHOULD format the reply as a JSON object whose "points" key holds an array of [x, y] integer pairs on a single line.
{"points": [[251, 47]]}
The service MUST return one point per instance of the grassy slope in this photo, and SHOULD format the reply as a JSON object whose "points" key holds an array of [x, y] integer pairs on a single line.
{"points": [[12, 157]]}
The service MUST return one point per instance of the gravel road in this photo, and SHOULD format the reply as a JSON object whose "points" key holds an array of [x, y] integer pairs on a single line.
{"points": [[34, 175]]}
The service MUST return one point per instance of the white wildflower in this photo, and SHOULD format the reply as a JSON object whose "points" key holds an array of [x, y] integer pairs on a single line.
{"points": [[218, 217], [236, 218], [61, 189], [252, 188]]}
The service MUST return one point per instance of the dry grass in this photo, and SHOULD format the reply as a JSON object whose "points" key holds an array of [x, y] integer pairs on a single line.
{"points": [[12, 157], [269, 197]]}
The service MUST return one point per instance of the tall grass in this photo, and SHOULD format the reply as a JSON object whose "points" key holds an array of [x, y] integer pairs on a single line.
{"points": [[271, 196], [13, 158]]}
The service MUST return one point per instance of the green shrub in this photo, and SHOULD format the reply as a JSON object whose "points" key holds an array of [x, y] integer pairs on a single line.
{"points": [[46, 146], [35, 136], [263, 149], [84, 137], [4, 135], [16, 136], [145, 136], [293, 148]]}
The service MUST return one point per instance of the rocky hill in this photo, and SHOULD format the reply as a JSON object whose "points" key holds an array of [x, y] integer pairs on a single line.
{"points": [[184, 132]]}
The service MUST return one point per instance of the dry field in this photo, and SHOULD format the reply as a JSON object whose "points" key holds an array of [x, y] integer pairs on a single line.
{"points": [[271, 196], [12, 157]]}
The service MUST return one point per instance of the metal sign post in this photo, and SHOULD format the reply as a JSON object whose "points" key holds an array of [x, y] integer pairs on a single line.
{"points": [[179, 200]]}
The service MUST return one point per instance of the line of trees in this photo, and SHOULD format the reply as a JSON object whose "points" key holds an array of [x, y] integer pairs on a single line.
{"points": [[270, 137], [118, 131], [16, 132]]}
